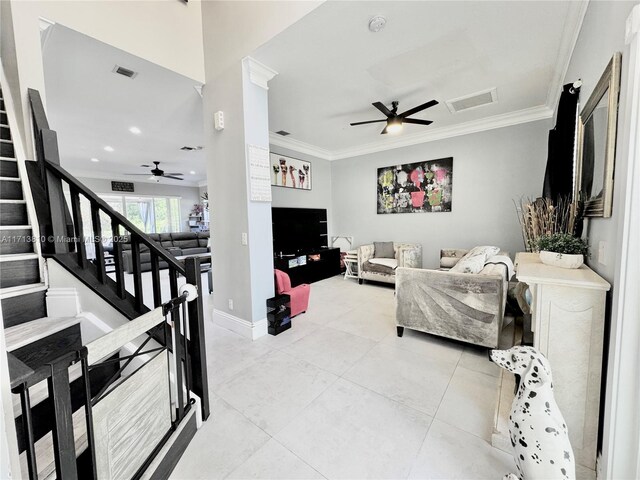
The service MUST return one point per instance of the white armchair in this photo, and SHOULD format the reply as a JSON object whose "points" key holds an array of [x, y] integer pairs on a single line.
{"points": [[406, 255]]}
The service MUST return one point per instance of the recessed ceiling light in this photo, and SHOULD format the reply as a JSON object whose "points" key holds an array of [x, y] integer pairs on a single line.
{"points": [[95, 160], [192, 172], [135, 130], [108, 148]]}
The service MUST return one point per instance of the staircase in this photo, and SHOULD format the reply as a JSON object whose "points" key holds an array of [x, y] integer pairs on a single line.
{"points": [[33, 340], [56, 380]]}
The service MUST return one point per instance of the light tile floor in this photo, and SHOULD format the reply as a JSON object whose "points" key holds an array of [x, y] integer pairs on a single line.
{"points": [[339, 395]]}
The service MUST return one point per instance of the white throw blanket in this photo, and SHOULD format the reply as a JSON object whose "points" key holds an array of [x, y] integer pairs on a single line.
{"points": [[498, 260]]}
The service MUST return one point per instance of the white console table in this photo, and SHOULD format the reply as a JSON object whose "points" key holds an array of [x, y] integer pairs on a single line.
{"points": [[567, 319]]}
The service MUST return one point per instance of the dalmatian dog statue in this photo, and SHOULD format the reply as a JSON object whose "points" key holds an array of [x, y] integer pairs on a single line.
{"points": [[537, 429]]}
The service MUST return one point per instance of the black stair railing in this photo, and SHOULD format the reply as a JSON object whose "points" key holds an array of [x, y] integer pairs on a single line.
{"points": [[63, 237], [56, 374]]}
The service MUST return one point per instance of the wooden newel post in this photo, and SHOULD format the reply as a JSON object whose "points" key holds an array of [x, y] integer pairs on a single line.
{"points": [[197, 346]]}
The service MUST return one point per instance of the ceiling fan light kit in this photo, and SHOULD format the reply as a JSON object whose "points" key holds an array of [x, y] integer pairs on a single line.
{"points": [[394, 126], [395, 120]]}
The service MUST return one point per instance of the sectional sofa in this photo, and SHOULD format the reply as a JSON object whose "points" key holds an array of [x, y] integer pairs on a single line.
{"points": [[178, 244]]}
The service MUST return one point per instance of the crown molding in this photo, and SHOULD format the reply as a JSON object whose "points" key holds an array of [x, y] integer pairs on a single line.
{"points": [[259, 73], [632, 26], [570, 34], [299, 146], [490, 123]]}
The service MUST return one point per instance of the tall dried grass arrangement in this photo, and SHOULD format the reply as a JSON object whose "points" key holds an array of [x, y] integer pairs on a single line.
{"points": [[542, 216]]}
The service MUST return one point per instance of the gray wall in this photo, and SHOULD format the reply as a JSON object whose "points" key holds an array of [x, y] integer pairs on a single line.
{"points": [[320, 194], [601, 35], [491, 169], [189, 195]]}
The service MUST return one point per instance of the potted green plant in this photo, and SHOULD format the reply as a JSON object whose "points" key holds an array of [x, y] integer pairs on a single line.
{"points": [[562, 250]]}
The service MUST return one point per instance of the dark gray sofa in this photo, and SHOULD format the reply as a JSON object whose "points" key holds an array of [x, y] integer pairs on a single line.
{"points": [[178, 244]]}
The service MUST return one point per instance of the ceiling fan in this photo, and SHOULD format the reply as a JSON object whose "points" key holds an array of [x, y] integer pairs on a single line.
{"points": [[395, 120], [156, 173]]}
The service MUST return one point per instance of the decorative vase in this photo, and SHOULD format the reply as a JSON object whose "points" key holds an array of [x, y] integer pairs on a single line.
{"points": [[562, 260]]}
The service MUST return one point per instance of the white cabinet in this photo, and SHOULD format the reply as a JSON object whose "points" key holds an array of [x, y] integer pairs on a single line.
{"points": [[567, 319]]}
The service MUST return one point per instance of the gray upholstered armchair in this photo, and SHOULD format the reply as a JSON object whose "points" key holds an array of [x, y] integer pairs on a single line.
{"points": [[462, 306], [406, 255]]}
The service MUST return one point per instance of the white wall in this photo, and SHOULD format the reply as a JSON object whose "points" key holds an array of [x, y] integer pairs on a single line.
{"points": [[602, 34], [235, 29], [491, 169], [189, 195], [320, 194], [165, 32]]}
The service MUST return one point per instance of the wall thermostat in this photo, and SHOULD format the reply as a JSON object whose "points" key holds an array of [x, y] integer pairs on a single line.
{"points": [[218, 120]]}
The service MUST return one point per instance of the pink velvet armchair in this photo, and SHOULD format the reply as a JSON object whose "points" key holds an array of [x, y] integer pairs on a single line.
{"points": [[299, 295]]}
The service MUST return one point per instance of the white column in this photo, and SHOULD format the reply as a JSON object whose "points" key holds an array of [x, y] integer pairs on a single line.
{"points": [[243, 273]]}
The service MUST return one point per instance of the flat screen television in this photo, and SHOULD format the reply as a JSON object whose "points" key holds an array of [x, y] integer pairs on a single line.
{"points": [[298, 230]]}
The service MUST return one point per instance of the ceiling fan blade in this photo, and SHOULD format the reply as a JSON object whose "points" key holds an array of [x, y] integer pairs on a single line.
{"points": [[138, 174], [171, 176], [384, 130], [368, 121], [417, 121], [419, 108], [380, 106]]}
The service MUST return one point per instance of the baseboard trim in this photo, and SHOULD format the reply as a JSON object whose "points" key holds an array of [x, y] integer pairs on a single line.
{"points": [[247, 329], [63, 302]]}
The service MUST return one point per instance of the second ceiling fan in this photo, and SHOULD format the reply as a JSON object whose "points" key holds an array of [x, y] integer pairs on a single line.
{"points": [[157, 173], [395, 120]]}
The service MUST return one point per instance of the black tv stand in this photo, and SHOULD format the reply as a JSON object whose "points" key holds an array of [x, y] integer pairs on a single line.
{"points": [[327, 266]]}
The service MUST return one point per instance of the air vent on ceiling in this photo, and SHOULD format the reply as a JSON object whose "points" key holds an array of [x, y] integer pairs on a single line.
{"points": [[284, 133], [125, 72], [187, 148], [475, 100]]}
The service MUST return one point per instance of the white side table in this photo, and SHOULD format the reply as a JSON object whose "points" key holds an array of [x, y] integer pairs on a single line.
{"points": [[351, 264]]}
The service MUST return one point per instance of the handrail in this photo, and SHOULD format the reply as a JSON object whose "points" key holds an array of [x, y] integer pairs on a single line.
{"points": [[63, 239], [122, 220], [41, 125]]}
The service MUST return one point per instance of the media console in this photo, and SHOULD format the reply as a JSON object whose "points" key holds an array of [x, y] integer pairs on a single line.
{"points": [[301, 267], [300, 246]]}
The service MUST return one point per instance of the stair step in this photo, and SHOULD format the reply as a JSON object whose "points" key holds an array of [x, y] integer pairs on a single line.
{"points": [[39, 354], [27, 333], [19, 269], [10, 189], [18, 257], [13, 212], [45, 459], [5, 132], [3, 118], [16, 240], [40, 391], [8, 168], [24, 308], [6, 149], [2, 104], [21, 290]]}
